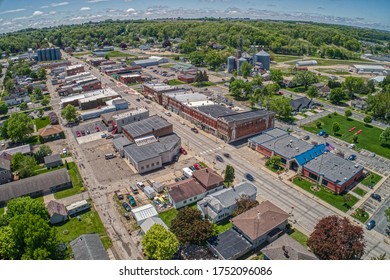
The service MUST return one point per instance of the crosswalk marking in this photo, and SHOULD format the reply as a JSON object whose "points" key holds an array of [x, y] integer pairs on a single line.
{"points": [[211, 150]]}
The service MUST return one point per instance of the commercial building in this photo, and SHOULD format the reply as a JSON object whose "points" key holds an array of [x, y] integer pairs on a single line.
{"points": [[154, 125], [51, 132], [369, 69], [155, 91], [130, 78], [74, 69], [122, 119], [90, 99], [306, 63], [152, 61]]}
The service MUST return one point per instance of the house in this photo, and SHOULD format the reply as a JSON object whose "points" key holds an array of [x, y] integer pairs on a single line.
{"points": [[300, 104], [78, 207], [359, 104], [221, 204], [53, 118], [51, 132], [143, 213], [149, 222], [185, 192], [209, 179], [36, 186], [52, 161], [287, 248], [5, 170], [57, 212], [88, 247]]}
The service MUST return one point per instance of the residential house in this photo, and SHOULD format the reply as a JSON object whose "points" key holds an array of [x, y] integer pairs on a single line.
{"points": [[24, 150], [5, 170], [221, 204], [209, 179], [52, 161], [57, 212], [51, 132], [359, 104], [300, 104], [88, 247]]}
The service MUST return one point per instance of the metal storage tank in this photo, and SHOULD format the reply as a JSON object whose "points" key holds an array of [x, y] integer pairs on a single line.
{"points": [[239, 63], [48, 54], [58, 53], [264, 58], [53, 54], [39, 53], [231, 63]]}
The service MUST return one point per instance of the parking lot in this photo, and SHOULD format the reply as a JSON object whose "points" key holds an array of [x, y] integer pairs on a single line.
{"points": [[87, 129]]}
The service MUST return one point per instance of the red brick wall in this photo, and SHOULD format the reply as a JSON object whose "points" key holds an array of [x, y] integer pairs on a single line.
{"points": [[263, 151], [75, 71], [94, 86]]}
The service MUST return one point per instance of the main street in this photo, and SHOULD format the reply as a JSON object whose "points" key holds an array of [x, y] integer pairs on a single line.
{"points": [[305, 209]]}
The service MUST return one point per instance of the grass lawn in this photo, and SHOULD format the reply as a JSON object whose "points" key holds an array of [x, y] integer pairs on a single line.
{"points": [[175, 82], [372, 179], [283, 58], [2, 211], [118, 54], [43, 170], [360, 215], [270, 167], [300, 89], [368, 139], [359, 191], [341, 202], [203, 84], [223, 226], [168, 216], [300, 237], [77, 182], [42, 122], [90, 223], [78, 54], [259, 257], [332, 71], [169, 65]]}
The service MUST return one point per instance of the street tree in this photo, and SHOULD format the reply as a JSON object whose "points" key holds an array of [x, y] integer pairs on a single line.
{"points": [[229, 175], [38, 94], [367, 119], [41, 73], [69, 113], [23, 106], [18, 127], [45, 101], [336, 95], [3, 108], [276, 76], [44, 150], [384, 138], [348, 113], [244, 203], [336, 238], [305, 78], [274, 162], [159, 243], [312, 92], [335, 127], [40, 112], [23, 205], [353, 85], [190, 227], [245, 69]]}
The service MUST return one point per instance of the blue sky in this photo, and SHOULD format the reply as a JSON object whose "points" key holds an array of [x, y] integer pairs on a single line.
{"points": [[19, 14]]}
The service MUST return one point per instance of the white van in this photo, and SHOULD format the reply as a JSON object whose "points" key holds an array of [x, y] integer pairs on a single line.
{"points": [[109, 156], [187, 172]]}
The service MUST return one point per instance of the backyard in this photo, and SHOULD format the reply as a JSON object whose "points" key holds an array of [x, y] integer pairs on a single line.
{"points": [[168, 216], [343, 202], [42, 122], [368, 139], [299, 236], [223, 226], [77, 182]]}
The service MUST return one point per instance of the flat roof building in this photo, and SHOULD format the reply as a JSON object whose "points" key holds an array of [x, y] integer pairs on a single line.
{"points": [[154, 125]]}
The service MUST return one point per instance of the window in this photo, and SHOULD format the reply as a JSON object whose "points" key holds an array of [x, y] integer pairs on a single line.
{"points": [[152, 164], [190, 199], [195, 197], [142, 168], [158, 163], [147, 166], [185, 201]]}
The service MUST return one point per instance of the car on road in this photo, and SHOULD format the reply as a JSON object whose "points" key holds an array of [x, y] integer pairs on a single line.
{"points": [[306, 137], [126, 215], [168, 114], [87, 131], [183, 151], [352, 157], [226, 155], [249, 177], [219, 158], [325, 135], [132, 201], [65, 151], [78, 133], [192, 168], [177, 179], [126, 206], [376, 197], [109, 136], [322, 133], [194, 129], [138, 99], [370, 225]]}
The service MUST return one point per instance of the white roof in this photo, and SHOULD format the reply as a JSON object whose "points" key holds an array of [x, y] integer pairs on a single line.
{"points": [[74, 66], [106, 91], [149, 222], [200, 103], [378, 79], [76, 205], [371, 66], [129, 113], [144, 212]]}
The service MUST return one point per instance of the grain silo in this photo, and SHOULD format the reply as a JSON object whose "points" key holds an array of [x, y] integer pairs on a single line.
{"points": [[264, 58], [231, 64]]}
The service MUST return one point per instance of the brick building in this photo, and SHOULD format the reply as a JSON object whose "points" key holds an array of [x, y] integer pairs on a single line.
{"points": [[155, 91], [154, 125], [74, 69]]}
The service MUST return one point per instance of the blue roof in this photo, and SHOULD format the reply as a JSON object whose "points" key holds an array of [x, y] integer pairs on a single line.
{"points": [[310, 154]]}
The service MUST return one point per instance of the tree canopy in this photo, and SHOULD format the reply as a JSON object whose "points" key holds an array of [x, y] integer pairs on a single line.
{"points": [[23, 165], [18, 127], [22, 205], [305, 78], [69, 113], [229, 175], [159, 243], [244, 203]]}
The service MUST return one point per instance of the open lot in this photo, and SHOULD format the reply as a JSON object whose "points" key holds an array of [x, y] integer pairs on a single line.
{"points": [[368, 139], [89, 128]]}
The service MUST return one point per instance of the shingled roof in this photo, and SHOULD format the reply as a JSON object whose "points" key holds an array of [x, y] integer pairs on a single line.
{"points": [[185, 189], [88, 247], [50, 130], [54, 207], [208, 178]]}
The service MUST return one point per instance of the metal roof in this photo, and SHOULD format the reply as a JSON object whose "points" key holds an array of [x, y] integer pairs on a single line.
{"points": [[146, 126], [310, 154], [262, 53], [144, 212], [25, 149], [52, 158], [149, 222]]}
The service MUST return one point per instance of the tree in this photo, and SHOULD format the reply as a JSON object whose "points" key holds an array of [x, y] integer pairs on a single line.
{"points": [[281, 106], [335, 127], [8, 248], [274, 162], [190, 227], [40, 112], [229, 175], [44, 150], [367, 119], [305, 78], [245, 69], [318, 124], [336, 95], [38, 93], [3, 108], [23, 106], [18, 127], [335, 238], [387, 214], [23, 165], [354, 85], [69, 113], [272, 88], [45, 101], [384, 138], [197, 58], [257, 80], [159, 243], [41, 73], [23, 205], [276, 76], [348, 113], [312, 92], [355, 139], [244, 203]]}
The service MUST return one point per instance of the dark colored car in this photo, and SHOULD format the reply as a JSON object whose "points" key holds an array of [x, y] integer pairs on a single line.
{"points": [[183, 151], [177, 179], [126, 215], [97, 129], [132, 201], [194, 129], [371, 224], [306, 137], [219, 158], [126, 206], [249, 177], [352, 157], [192, 168], [322, 133], [376, 197], [226, 155], [83, 132]]}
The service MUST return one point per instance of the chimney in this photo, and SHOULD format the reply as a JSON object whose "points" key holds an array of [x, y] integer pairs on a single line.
{"points": [[258, 215]]}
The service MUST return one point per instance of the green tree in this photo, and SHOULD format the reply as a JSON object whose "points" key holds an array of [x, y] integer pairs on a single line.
{"points": [[272, 88], [387, 214], [69, 113], [45, 101], [8, 248], [190, 227], [305, 78], [355, 139], [44, 150], [214, 59], [257, 80], [229, 175], [384, 138], [159, 243], [348, 113], [41, 73], [353, 85], [335, 127], [38, 93], [276, 76], [244, 203], [18, 127], [236, 87], [336, 95], [245, 69], [367, 119], [281, 106], [318, 124], [197, 58], [40, 112], [312, 92], [23, 106], [9, 85], [23, 205], [23, 165], [3, 108], [274, 162]]}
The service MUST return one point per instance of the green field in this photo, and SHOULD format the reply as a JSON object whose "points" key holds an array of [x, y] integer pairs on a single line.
{"points": [[283, 58], [359, 191], [78, 54], [341, 202], [203, 84], [168, 216], [169, 65], [360, 215], [77, 182], [300, 237], [118, 54], [42, 122], [41, 170], [372, 179], [89, 223], [368, 139], [332, 71]]}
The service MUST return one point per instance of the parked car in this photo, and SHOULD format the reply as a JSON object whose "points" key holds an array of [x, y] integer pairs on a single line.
{"points": [[109, 156], [168, 114], [109, 136], [126, 215], [183, 151], [371, 224], [177, 179], [126, 206], [119, 195], [194, 129], [219, 158], [227, 155], [103, 135], [87, 131], [197, 166], [138, 99], [97, 129], [132, 201], [352, 157], [376, 197], [249, 177], [83, 132], [64, 151], [322, 133], [325, 135], [306, 137], [78, 133], [192, 168]]}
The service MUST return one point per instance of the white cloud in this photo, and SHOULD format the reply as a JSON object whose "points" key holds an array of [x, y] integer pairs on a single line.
{"points": [[59, 4], [44, 7], [131, 10], [128, 0], [37, 13], [85, 8], [12, 11], [96, 1], [52, 12]]}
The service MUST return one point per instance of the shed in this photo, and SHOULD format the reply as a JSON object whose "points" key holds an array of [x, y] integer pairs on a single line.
{"points": [[158, 187], [149, 192], [57, 212], [149, 222], [144, 212], [52, 161]]}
